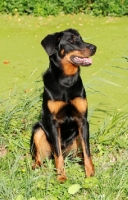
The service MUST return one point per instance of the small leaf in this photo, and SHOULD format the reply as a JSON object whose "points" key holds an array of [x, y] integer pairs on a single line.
{"points": [[40, 199], [19, 197], [90, 182], [74, 188], [32, 198], [6, 62], [121, 143], [52, 198], [105, 139]]}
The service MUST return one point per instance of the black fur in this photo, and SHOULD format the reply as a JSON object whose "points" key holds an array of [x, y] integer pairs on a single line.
{"points": [[59, 86]]}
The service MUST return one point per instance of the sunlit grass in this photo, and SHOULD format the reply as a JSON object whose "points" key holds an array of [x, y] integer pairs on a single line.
{"points": [[108, 147]]}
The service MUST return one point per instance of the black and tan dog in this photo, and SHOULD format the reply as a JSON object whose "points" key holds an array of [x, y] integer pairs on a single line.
{"points": [[63, 127]]}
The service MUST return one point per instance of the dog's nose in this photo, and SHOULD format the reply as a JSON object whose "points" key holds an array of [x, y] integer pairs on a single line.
{"points": [[92, 48]]}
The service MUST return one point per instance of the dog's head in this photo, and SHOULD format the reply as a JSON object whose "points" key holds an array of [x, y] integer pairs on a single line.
{"points": [[69, 47]]}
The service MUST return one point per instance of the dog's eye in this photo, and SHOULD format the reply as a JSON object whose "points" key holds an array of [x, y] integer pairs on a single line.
{"points": [[71, 41]]}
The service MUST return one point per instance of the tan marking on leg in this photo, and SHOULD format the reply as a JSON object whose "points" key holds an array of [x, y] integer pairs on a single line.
{"points": [[42, 146], [55, 106], [59, 162], [80, 104], [88, 165]]}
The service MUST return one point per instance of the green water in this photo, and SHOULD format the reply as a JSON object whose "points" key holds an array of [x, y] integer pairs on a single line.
{"points": [[106, 81]]}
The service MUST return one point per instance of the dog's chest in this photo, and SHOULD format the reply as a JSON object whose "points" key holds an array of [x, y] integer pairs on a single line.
{"points": [[61, 109]]}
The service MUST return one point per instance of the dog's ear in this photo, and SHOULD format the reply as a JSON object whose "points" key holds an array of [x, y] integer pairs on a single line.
{"points": [[49, 43]]}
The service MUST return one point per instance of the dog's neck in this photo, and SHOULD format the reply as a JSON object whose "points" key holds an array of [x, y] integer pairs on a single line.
{"points": [[59, 75]]}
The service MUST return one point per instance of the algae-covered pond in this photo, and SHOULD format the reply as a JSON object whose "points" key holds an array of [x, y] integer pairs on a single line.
{"points": [[22, 59]]}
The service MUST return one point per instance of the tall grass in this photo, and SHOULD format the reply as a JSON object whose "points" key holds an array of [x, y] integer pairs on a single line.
{"points": [[109, 142], [109, 149]]}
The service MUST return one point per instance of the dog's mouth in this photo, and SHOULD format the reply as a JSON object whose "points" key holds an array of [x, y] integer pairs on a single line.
{"points": [[81, 61]]}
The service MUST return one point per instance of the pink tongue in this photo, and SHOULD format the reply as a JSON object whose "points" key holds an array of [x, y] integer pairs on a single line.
{"points": [[83, 60], [88, 60]]}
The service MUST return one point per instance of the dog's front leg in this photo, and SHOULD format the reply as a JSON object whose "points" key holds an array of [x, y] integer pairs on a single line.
{"points": [[59, 160], [84, 136], [54, 107]]}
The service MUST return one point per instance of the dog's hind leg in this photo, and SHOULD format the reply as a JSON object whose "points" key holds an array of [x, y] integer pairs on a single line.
{"points": [[40, 147]]}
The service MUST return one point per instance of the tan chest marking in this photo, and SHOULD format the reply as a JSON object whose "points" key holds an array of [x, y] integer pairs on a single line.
{"points": [[55, 106], [80, 104]]}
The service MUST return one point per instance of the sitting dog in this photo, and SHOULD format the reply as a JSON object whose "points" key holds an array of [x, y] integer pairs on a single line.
{"points": [[63, 127]]}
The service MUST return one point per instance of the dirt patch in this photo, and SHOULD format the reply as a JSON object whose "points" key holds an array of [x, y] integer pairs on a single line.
{"points": [[3, 151]]}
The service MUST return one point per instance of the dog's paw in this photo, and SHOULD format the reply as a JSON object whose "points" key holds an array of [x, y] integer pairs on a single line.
{"points": [[36, 165], [61, 178], [90, 171]]}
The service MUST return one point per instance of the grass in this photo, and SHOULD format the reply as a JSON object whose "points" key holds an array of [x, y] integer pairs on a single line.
{"points": [[106, 87], [109, 149]]}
